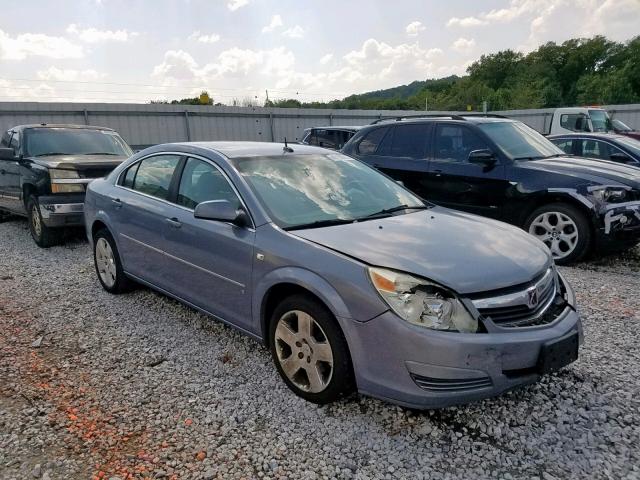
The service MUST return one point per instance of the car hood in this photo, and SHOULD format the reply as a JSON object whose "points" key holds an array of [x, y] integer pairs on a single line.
{"points": [[79, 162], [463, 252], [596, 171]]}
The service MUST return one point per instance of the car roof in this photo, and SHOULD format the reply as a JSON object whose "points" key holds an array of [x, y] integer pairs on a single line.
{"points": [[592, 135], [242, 149], [353, 128], [60, 125], [456, 118]]}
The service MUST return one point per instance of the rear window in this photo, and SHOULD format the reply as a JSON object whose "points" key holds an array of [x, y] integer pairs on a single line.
{"points": [[369, 144]]}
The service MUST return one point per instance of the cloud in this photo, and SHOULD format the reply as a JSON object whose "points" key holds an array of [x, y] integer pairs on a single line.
{"points": [[204, 38], [414, 28], [37, 44], [326, 58], [234, 5], [465, 22], [294, 32], [276, 22], [54, 73], [464, 45], [93, 35]]}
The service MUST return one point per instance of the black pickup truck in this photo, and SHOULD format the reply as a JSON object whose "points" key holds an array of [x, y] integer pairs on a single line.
{"points": [[44, 171]]}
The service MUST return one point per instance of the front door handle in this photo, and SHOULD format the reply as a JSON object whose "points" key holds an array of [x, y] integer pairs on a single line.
{"points": [[174, 222], [116, 203]]}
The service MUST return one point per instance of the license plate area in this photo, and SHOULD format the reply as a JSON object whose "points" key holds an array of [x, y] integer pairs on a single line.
{"points": [[558, 353]]}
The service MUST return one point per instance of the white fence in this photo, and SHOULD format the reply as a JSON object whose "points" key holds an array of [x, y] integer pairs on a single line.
{"points": [[143, 125]]}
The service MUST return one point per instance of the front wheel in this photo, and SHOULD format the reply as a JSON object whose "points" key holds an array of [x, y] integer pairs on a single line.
{"points": [[44, 236], [310, 351], [563, 228], [108, 264]]}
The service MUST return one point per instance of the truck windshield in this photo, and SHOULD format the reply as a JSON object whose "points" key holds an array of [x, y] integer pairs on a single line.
{"points": [[600, 120], [74, 141], [311, 191], [520, 142]]}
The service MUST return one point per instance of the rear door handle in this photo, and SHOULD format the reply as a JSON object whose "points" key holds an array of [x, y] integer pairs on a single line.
{"points": [[116, 202], [174, 222]]}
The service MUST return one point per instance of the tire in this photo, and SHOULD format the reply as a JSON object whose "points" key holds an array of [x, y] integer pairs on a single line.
{"points": [[323, 351], [106, 260], [564, 229], [44, 236]]}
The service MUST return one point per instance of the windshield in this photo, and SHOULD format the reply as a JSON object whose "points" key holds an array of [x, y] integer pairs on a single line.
{"points": [[299, 190], [520, 142], [600, 120], [630, 144], [621, 126], [74, 141]]}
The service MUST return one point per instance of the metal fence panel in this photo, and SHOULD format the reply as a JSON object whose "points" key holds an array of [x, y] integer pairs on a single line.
{"points": [[148, 124]]}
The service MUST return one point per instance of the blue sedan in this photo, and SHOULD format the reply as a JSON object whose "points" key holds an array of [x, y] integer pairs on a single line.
{"points": [[352, 281]]}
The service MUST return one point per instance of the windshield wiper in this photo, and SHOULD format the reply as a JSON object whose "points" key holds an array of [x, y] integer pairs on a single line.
{"points": [[385, 212], [320, 224], [51, 154]]}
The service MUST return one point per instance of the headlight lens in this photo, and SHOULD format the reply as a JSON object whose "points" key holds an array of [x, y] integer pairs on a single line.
{"points": [[610, 194], [59, 173], [421, 302]]}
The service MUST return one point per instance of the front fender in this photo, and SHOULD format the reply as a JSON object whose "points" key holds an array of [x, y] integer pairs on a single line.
{"points": [[303, 278]]}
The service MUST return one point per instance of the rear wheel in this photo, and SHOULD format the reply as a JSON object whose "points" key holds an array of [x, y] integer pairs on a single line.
{"points": [[108, 265], [310, 351], [44, 236], [563, 228]]}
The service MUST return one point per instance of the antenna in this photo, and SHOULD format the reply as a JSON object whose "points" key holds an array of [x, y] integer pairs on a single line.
{"points": [[287, 148]]}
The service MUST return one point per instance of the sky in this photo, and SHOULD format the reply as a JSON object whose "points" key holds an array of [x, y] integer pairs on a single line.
{"points": [[134, 51]]}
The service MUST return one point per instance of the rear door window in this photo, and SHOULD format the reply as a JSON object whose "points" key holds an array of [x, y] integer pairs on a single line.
{"points": [[454, 143], [596, 149], [565, 145], [154, 175], [371, 141], [323, 138], [409, 141]]}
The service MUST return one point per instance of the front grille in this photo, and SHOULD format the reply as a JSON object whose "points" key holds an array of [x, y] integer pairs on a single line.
{"points": [[517, 309], [95, 172], [443, 385]]}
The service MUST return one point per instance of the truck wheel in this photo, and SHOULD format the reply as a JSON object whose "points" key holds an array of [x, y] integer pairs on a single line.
{"points": [[563, 228], [108, 265], [44, 236], [310, 351]]}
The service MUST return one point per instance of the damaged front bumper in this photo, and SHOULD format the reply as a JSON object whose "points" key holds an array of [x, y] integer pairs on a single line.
{"points": [[421, 368], [62, 210]]}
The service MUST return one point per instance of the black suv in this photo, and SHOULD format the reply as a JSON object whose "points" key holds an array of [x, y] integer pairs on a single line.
{"points": [[44, 170], [503, 169]]}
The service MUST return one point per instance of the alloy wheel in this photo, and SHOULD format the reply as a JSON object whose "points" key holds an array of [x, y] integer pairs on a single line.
{"points": [[557, 231], [303, 351], [105, 260]]}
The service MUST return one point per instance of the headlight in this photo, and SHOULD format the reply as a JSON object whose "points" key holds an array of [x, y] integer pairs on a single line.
{"points": [[59, 173], [609, 194], [421, 302]]}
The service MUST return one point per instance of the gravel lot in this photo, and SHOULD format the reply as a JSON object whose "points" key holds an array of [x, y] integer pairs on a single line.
{"points": [[139, 386]]}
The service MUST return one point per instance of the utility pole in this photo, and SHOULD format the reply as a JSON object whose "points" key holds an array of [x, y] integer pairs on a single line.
{"points": [[426, 104], [484, 106], [267, 93]]}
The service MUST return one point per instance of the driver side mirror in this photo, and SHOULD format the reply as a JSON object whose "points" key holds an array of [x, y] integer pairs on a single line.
{"points": [[221, 211], [483, 157], [7, 154]]}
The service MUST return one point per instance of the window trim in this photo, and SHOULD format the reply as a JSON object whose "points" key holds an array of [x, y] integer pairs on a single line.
{"points": [[180, 168]]}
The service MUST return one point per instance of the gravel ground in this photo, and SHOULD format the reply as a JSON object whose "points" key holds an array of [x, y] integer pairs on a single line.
{"points": [[139, 386]]}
